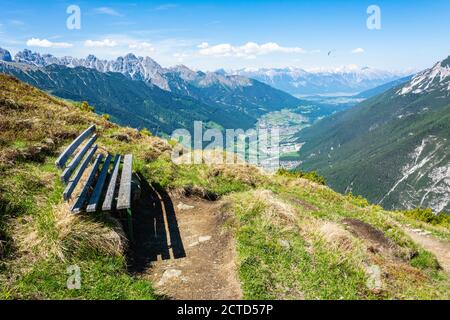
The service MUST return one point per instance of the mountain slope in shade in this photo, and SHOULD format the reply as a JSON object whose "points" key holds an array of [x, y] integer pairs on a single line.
{"points": [[245, 95], [384, 87], [219, 90], [128, 102], [393, 148]]}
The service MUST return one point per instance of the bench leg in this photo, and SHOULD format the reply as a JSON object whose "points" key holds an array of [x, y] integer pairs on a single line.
{"points": [[130, 224]]}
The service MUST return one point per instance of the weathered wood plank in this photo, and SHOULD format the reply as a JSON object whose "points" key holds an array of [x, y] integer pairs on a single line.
{"points": [[124, 198], [96, 194], [62, 159], [78, 174], [79, 203], [76, 160], [107, 203]]}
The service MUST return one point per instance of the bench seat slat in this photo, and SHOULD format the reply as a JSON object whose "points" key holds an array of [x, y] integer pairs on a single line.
{"points": [[76, 160], [79, 173], [62, 159], [107, 203], [124, 198], [96, 194], [79, 203]]}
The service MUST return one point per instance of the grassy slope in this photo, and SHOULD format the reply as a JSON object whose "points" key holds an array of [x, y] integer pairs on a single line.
{"points": [[290, 237]]}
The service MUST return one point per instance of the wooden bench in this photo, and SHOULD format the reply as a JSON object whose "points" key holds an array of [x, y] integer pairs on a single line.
{"points": [[99, 192]]}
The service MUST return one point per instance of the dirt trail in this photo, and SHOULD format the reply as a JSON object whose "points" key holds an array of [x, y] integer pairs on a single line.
{"points": [[181, 247], [440, 248]]}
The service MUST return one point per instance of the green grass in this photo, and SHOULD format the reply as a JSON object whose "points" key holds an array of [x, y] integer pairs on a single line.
{"points": [[312, 175], [312, 268], [214, 183], [428, 216], [307, 269], [100, 278]]}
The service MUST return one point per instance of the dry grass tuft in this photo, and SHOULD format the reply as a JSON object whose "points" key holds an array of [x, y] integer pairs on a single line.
{"points": [[276, 211], [337, 236], [72, 235], [249, 175], [77, 231]]}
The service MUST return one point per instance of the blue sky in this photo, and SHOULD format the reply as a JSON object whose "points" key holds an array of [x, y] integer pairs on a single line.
{"points": [[236, 34]]}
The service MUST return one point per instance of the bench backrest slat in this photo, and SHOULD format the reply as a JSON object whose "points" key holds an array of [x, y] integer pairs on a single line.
{"points": [[78, 206], [79, 173], [96, 194], [62, 159], [76, 160], [107, 203], [124, 198]]}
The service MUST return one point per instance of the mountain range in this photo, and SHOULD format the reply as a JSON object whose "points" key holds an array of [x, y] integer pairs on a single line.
{"points": [[300, 82], [393, 148], [138, 92]]}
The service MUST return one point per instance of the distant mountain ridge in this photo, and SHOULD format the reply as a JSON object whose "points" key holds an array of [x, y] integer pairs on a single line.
{"points": [[135, 68], [344, 80], [394, 148]]}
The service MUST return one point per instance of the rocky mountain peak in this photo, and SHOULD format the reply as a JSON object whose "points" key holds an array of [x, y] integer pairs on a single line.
{"points": [[184, 72], [436, 78], [5, 55], [446, 63]]}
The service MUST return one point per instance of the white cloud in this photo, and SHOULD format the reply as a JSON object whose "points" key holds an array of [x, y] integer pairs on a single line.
{"points": [[108, 11], [249, 50], [141, 46], [100, 44], [358, 51], [44, 43], [203, 45]]}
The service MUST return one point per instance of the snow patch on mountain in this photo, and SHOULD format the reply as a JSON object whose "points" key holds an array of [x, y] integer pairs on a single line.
{"points": [[433, 79], [425, 178], [440, 177]]}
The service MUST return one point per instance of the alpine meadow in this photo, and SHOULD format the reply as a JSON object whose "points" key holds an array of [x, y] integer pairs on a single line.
{"points": [[226, 150]]}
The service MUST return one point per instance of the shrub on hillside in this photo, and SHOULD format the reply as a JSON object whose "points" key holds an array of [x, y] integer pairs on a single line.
{"points": [[427, 215], [312, 175], [358, 200], [86, 107], [145, 132]]}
